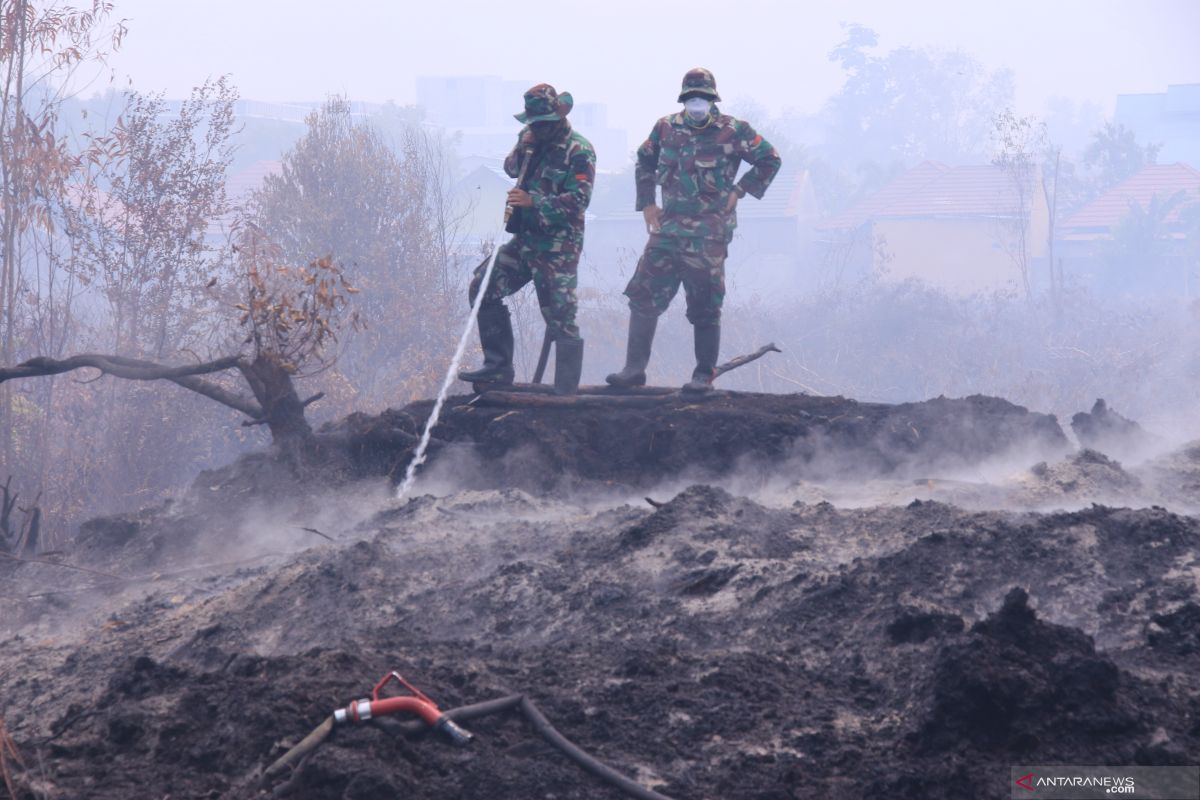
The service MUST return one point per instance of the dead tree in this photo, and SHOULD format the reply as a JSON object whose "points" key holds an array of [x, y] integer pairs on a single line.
{"points": [[7, 502], [275, 402], [22, 541], [291, 314]]}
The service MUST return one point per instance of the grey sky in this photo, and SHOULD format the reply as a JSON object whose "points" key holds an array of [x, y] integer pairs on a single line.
{"points": [[631, 55]]}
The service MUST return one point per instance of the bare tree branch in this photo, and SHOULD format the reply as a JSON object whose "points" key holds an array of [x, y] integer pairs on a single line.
{"points": [[131, 368], [139, 370], [741, 361], [221, 395]]}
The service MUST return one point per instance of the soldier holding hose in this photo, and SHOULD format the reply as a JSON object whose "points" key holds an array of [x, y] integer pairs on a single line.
{"points": [[559, 167]]}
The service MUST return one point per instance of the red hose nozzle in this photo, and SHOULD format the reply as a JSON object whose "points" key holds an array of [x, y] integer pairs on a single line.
{"points": [[419, 704]]}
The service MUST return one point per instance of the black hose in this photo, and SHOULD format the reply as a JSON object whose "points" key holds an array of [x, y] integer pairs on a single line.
{"points": [[307, 745], [600, 770], [543, 727], [463, 713]]}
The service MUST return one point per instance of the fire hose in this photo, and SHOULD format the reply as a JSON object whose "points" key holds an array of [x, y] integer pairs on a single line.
{"points": [[418, 458], [431, 717]]}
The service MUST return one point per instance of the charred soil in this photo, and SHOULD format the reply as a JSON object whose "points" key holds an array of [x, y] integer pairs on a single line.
{"points": [[708, 645]]}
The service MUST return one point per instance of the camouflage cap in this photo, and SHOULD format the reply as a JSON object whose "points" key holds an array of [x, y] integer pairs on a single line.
{"points": [[543, 104], [699, 82]]}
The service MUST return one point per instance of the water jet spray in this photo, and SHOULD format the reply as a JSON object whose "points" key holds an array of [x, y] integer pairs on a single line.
{"points": [[410, 474]]}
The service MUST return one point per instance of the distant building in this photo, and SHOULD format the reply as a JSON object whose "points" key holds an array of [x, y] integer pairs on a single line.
{"points": [[280, 112], [1170, 118], [1159, 208], [957, 228], [480, 108]]}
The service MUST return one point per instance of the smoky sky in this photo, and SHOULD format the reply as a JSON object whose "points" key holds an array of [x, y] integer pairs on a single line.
{"points": [[630, 54]]}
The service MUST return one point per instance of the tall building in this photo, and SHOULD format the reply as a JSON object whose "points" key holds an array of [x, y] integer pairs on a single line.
{"points": [[1170, 118]]}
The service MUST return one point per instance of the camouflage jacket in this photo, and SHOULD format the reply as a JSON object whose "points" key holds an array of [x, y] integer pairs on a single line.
{"points": [[697, 167], [560, 181]]}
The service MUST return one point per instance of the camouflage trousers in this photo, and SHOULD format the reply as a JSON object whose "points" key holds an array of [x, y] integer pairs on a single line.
{"points": [[553, 272], [699, 264]]}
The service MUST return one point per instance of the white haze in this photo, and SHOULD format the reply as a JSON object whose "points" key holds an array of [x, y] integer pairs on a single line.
{"points": [[631, 55], [773, 55]]}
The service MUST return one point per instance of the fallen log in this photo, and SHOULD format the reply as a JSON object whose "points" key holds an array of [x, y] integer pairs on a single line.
{"points": [[531, 400], [603, 390], [586, 389]]}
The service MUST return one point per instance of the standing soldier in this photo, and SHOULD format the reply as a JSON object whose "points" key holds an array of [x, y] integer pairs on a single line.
{"points": [[694, 156], [547, 224]]}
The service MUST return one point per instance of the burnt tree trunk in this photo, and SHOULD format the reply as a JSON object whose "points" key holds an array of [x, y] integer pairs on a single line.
{"points": [[7, 502], [283, 410]]}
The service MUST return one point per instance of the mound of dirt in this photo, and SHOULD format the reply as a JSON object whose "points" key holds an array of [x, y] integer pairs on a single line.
{"points": [[1107, 431], [1177, 474], [538, 447], [1086, 474], [712, 647], [709, 646], [1017, 682], [1177, 633]]}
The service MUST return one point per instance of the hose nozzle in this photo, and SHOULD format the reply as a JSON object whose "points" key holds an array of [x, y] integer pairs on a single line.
{"points": [[457, 734]]}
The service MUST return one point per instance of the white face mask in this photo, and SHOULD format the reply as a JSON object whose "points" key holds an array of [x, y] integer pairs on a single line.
{"points": [[697, 107]]}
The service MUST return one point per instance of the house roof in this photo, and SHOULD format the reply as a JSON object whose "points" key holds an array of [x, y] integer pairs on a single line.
{"points": [[785, 197], [931, 189], [899, 188], [1107, 210], [489, 173]]}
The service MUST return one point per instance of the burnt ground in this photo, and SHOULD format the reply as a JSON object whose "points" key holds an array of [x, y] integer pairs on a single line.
{"points": [[942, 619], [547, 448]]}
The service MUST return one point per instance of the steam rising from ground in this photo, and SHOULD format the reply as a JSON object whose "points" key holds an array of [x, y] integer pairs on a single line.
{"points": [[1019, 479], [235, 524], [885, 341]]}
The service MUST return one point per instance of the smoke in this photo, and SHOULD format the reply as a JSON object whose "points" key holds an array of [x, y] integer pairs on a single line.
{"points": [[885, 341], [1024, 476]]}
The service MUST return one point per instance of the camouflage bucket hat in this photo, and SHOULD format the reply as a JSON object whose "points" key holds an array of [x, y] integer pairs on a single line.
{"points": [[543, 104], [701, 82]]}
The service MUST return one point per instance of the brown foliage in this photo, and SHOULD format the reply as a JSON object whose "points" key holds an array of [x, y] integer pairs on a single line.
{"points": [[292, 313]]}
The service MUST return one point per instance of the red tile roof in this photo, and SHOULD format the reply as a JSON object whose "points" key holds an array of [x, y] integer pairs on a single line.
{"points": [[931, 189], [899, 188], [1110, 208]]}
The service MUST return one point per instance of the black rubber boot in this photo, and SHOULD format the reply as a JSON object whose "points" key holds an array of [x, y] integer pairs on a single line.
{"points": [[568, 365], [708, 347], [637, 351], [496, 339]]}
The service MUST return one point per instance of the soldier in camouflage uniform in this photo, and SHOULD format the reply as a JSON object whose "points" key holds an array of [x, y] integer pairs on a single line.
{"points": [[694, 156], [547, 224]]}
